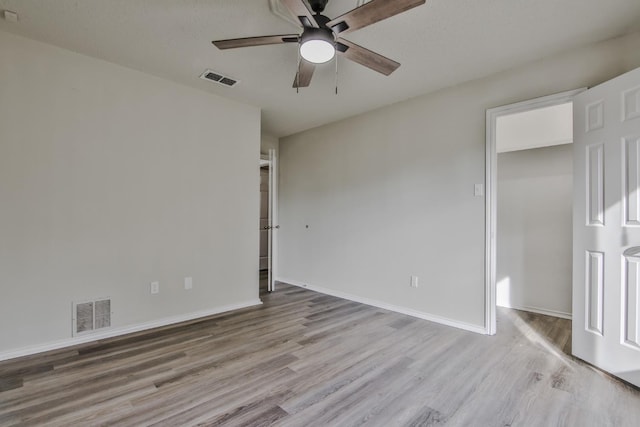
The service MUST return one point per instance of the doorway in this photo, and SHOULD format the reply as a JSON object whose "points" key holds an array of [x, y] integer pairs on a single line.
{"points": [[528, 214], [268, 222]]}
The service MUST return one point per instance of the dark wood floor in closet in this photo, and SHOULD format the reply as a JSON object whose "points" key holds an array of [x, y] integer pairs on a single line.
{"points": [[306, 359]]}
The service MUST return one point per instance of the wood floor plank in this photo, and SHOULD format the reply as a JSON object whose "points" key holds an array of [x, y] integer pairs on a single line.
{"points": [[10, 383], [306, 359], [95, 389], [201, 401]]}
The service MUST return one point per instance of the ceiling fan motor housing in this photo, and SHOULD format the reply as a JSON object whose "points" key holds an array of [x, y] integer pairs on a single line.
{"points": [[311, 33]]}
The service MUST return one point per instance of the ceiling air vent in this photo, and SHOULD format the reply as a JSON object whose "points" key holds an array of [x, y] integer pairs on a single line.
{"points": [[218, 78]]}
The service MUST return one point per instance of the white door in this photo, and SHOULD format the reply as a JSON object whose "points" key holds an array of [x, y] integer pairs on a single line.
{"points": [[606, 227], [273, 219], [269, 216], [265, 256]]}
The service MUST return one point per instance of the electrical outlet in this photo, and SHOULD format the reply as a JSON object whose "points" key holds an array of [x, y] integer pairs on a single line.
{"points": [[414, 282], [155, 287], [188, 283], [10, 16]]}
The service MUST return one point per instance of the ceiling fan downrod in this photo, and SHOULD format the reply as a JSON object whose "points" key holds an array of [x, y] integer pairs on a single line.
{"points": [[318, 5]]}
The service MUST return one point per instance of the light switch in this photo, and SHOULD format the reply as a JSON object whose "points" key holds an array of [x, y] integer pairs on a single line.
{"points": [[478, 190]]}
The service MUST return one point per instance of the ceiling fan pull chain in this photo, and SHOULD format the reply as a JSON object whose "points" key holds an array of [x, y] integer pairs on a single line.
{"points": [[298, 73], [336, 74]]}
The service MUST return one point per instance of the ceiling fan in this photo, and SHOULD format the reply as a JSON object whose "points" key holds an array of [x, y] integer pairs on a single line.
{"points": [[321, 36]]}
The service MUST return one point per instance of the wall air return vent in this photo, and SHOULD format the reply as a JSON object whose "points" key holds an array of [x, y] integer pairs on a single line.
{"points": [[92, 315], [219, 78]]}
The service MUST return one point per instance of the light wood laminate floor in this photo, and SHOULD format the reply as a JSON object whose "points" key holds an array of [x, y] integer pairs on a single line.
{"points": [[306, 359]]}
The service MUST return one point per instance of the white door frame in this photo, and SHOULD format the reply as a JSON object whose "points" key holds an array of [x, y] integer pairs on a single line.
{"points": [[491, 191]]}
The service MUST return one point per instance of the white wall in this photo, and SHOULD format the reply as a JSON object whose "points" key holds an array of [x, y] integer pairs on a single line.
{"points": [[111, 179], [389, 194], [534, 223], [542, 127], [269, 142]]}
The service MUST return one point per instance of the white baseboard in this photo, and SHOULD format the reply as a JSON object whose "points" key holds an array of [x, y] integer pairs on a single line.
{"points": [[114, 332], [538, 310], [390, 307]]}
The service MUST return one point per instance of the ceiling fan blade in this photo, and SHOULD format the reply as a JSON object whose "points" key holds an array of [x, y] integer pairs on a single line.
{"points": [[255, 41], [299, 9], [304, 74], [369, 13], [366, 57]]}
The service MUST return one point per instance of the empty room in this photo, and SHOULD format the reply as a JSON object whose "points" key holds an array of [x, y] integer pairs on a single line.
{"points": [[319, 213]]}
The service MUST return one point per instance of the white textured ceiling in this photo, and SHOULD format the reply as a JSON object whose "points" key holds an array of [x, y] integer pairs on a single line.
{"points": [[439, 44]]}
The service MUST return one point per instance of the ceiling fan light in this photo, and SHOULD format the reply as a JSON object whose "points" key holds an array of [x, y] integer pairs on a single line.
{"points": [[317, 51]]}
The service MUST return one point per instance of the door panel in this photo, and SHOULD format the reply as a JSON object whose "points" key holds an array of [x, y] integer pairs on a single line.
{"points": [[606, 227], [595, 292], [631, 182], [631, 300], [595, 192]]}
